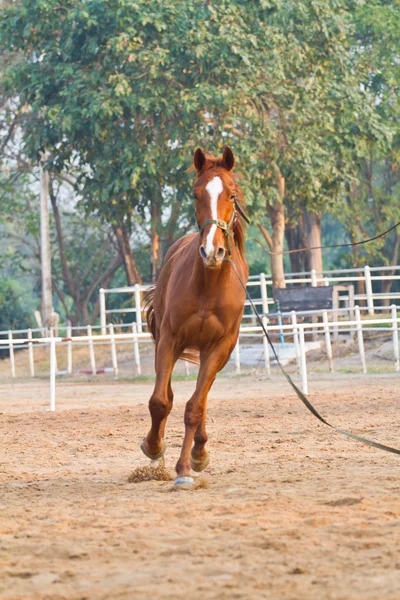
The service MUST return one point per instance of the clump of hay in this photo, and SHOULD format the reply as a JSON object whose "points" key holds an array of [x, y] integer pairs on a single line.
{"points": [[201, 483], [150, 473]]}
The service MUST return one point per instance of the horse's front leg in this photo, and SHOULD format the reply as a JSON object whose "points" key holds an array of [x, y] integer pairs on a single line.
{"points": [[195, 412], [160, 403]]}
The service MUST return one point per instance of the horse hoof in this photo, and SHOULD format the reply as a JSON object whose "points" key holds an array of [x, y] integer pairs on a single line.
{"points": [[184, 483], [153, 456], [199, 465]]}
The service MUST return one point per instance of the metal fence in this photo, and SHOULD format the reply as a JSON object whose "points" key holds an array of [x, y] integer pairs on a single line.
{"points": [[362, 278], [293, 328]]}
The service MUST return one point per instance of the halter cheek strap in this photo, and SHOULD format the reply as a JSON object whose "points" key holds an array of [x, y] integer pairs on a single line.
{"points": [[226, 228]]}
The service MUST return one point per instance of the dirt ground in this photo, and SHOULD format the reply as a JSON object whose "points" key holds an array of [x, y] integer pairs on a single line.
{"points": [[287, 509]]}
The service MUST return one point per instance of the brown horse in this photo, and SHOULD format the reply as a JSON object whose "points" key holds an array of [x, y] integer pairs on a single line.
{"points": [[196, 308]]}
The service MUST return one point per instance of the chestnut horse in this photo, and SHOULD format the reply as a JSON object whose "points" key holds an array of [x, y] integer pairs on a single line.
{"points": [[197, 306]]}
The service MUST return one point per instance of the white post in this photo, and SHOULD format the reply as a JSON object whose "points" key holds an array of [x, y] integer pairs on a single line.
{"points": [[264, 293], [69, 349], [138, 308], [395, 338], [11, 350], [296, 337], [91, 350], [313, 278], [237, 357], [360, 338], [187, 370], [113, 350], [30, 351], [368, 289], [303, 364], [53, 334], [53, 368], [326, 281], [266, 348], [136, 349], [103, 319], [328, 340]]}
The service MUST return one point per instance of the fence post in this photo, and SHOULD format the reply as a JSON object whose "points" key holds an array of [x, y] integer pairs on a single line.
{"points": [[237, 357], [313, 278], [368, 289], [187, 370], [91, 350], [303, 364], [328, 340], [264, 293], [136, 349], [53, 367], [138, 308], [395, 338], [360, 338], [69, 349], [11, 352], [296, 337], [103, 316], [113, 350], [30, 351], [266, 348]]}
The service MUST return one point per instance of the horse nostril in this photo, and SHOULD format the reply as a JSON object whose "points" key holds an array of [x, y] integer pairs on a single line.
{"points": [[220, 252], [203, 253]]}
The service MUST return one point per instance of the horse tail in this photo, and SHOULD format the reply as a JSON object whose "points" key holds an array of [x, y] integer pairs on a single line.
{"points": [[191, 355], [149, 307]]}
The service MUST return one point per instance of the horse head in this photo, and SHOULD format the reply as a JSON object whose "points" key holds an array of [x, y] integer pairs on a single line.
{"points": [[215, 193]]}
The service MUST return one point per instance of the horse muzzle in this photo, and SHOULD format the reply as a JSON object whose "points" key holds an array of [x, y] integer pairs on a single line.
{"points": [[213, 259]]}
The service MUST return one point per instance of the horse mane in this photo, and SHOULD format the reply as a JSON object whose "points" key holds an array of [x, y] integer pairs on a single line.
{"points": [[239, 228]]}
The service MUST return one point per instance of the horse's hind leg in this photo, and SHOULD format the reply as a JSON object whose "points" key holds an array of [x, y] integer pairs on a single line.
{"points": [[160, 403]]}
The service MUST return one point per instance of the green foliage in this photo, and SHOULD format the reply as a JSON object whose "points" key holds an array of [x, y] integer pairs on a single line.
{"points": [[13, 314], [122, 92]]}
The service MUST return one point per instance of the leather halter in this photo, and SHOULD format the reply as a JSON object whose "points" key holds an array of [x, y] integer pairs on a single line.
{"points": [[227, 227]]}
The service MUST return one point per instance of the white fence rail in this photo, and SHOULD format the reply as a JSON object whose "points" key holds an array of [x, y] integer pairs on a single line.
{"points": [[294, 329], [360, 278]]}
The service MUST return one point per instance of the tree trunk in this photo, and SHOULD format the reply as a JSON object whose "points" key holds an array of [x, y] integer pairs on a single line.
{"points": [[131, 270], [45, 255], [277, 218], [312, 228], [295, 240], [155, 242]]}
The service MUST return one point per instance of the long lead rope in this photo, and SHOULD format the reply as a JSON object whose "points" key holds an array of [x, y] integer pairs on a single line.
{"points": [[299, 393], [376, 237]]}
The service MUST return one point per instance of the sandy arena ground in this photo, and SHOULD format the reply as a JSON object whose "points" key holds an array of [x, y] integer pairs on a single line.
{"points": [[286, 510]]}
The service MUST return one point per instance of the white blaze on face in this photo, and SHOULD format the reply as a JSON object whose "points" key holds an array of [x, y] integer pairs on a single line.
{"points": [[214, 188]]}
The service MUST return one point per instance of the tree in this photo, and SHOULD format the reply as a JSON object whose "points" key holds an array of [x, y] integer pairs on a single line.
{"points": [[123, 93], [84, 252]]}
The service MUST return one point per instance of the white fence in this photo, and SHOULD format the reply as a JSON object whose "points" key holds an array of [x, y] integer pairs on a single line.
{"points": [[294, 329], [364, 277]]}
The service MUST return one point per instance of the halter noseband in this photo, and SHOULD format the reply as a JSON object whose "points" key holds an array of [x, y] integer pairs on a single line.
{"points": [[227, 227]]}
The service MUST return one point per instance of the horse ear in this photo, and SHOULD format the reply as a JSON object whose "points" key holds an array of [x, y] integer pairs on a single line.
{"points": [[228, 158], [199, 159]]}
